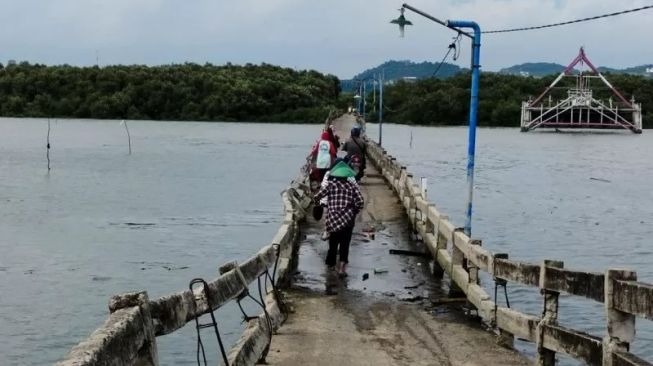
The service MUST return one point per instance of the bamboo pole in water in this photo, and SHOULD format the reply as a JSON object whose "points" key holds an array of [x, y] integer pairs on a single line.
{"points": [[129, 138], [47, 151]]}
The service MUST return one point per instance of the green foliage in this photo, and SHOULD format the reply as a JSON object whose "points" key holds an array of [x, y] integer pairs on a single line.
{"points": [[173, 92], [446, 102]]}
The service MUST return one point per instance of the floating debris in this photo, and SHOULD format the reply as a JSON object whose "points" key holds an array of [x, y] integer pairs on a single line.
{"points": [[100, 278], [600, 180]]}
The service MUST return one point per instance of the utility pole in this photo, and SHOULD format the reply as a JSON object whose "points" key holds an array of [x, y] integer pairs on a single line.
{"points": [[381, 109], [363, 99]]}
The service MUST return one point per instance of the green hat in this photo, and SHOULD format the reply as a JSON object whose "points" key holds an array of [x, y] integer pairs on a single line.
{"points": [[342, 170]]}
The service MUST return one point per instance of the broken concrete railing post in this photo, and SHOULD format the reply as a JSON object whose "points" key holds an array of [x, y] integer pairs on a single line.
{"points": [[148, 354], [471, 268], [227, 267], [546, 357], [621, 325]]}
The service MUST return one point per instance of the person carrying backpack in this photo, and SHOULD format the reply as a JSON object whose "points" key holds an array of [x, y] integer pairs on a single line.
{"points": [[356, 149], [324, 153]]}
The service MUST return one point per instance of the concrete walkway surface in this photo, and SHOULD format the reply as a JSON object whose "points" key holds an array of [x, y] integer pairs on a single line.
{"points": [[397, 316]]}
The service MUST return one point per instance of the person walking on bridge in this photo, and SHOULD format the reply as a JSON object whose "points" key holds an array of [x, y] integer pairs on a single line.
{"points": [[344, 202], [324, 153], [356, 149], [333, 137]]}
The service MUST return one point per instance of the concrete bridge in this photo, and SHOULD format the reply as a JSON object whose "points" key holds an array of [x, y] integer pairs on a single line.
{"points": [[393, 309]]}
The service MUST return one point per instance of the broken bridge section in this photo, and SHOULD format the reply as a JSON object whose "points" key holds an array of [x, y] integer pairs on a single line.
{"points": [[581, 108]]}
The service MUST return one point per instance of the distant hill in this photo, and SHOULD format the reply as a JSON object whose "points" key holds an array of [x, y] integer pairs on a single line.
{"points": [[396, 70], [539, 69], [535, 69], [642, 70]]}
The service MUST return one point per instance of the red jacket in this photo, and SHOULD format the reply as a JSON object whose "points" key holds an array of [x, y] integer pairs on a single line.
{"points": [[332, 148]]}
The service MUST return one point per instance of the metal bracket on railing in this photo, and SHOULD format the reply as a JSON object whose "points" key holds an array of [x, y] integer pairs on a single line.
{"points": [[213, 324], [499, 282], [261, 303], [274, 281]]}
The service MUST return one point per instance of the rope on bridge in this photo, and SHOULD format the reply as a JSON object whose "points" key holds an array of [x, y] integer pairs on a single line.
{"points": [[570, 21]]}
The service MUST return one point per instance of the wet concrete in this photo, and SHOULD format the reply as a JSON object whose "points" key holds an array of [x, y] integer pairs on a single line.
{"points": [[396, 315]]}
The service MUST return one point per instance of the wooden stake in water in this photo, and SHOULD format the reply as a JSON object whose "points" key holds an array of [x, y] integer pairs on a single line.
{"points": [[129, 138], [47, 151], [411, 139]]}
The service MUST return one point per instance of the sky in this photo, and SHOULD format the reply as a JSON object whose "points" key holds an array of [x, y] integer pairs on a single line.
{"points": [[341, 37]]}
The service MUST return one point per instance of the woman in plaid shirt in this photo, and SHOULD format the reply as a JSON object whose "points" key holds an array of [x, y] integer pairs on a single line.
{"points": [[344, 202]]}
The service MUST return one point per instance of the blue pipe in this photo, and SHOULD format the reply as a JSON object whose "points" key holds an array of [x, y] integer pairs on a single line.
{"points": [[473, 112]]}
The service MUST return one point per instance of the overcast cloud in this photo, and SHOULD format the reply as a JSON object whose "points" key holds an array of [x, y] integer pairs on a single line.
{"points": [[341, 37]]}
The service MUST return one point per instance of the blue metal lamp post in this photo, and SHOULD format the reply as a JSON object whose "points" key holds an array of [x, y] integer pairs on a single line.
{"points": [[456, 25], [473, 113]]}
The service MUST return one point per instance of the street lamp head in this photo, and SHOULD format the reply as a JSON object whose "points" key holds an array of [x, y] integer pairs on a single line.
{"points": [[401, 22]]}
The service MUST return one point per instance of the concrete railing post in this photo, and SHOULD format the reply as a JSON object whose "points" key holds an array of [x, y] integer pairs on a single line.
{"points": [[545, 357], [621, 325], [401, 184], [147, 355], [408, 192], [471, 268], [506, 339], [430, 227], [457, 259], [441, 243]]}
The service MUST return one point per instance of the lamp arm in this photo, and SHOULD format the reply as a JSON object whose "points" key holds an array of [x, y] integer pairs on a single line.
{"points": [[428, 16]]}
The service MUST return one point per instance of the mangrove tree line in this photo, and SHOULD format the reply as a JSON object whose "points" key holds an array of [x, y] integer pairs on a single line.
{"points": [[173, 92]]}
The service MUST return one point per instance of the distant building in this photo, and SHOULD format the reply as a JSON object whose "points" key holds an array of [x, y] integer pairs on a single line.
{"points": [[409, 79], [649, 70]]}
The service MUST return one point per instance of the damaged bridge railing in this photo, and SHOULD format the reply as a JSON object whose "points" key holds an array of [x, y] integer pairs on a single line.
{"points": [[128, 336], [462, 258]]}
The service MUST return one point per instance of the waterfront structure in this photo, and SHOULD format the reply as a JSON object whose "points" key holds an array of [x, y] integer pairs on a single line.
{"points": [[581, 108]]}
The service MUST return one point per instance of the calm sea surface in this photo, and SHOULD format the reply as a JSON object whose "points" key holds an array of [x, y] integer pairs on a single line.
{"points": [[195, 195], [583, 198], [192, 196]]}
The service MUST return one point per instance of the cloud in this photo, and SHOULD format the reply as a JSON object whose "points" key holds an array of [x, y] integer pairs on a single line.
{"points": [[337, 36]]}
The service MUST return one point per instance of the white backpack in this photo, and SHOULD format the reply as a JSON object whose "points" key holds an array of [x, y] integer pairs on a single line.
{"points": [[323, 160]]}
